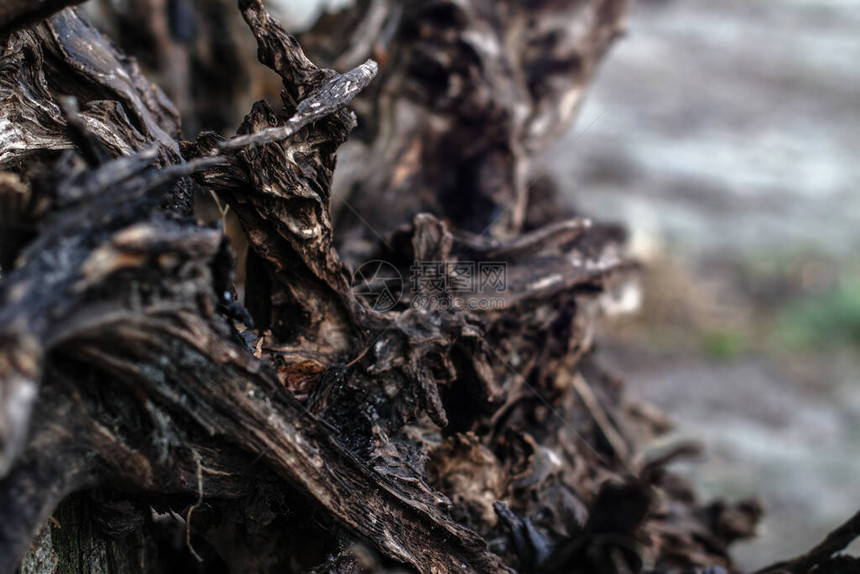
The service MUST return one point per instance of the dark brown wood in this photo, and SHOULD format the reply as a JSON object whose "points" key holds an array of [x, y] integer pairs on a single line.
{"points": [[16, 14], [306, 430], [467, 93]]}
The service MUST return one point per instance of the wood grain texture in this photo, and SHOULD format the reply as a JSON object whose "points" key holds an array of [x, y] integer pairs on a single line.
{"points": [[307, 431]]}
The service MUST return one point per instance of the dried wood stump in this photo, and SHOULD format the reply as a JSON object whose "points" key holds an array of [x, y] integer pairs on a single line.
{"points": [[152, 420]]}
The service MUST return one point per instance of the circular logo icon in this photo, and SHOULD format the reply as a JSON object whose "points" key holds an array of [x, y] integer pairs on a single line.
{"points": [[379, 283]]}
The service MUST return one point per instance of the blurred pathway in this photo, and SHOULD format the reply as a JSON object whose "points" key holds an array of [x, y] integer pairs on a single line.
{"points": [[726, 125]]}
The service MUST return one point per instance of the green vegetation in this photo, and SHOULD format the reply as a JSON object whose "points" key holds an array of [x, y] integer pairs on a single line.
{"points": [[724, 345], [825, 320]]}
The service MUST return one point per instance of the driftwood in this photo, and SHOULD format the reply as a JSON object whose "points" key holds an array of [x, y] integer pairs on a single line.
{"points": [[149, 422]]}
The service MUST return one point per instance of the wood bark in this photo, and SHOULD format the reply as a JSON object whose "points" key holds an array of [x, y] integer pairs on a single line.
{"points": [[149, 422]]}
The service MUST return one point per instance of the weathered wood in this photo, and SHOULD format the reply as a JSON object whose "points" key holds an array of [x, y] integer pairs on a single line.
{"points": [[439, 439], [15, 14], [467, 92]]}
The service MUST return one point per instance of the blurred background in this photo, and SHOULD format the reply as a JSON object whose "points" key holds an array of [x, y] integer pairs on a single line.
{"points": [[726, 134]]}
